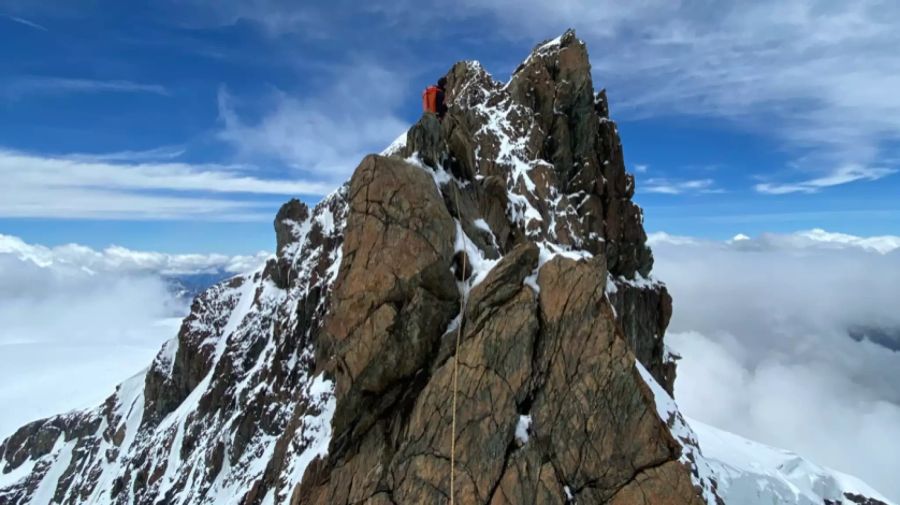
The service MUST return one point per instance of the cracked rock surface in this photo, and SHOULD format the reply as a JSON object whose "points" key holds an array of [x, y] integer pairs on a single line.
{"points": [[540, 195], [326, 376]]}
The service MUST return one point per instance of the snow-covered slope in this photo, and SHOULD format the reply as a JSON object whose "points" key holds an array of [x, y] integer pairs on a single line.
{"points": [[748, 472], [745, 472], [244, 406], [229, 402]]}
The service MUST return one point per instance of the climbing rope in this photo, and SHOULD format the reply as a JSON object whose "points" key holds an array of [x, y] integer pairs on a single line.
{"points": [[459, 328]]}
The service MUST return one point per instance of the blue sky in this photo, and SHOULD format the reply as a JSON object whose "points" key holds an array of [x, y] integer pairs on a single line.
{"points": [[181, 126]]}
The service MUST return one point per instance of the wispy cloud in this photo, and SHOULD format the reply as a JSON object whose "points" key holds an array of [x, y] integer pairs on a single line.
{"points": [[842, 175], [817, 76], [155, 154], [32, 85], [64, 187], [678, 187], [325, 135], [23, 21], [641, 168]]}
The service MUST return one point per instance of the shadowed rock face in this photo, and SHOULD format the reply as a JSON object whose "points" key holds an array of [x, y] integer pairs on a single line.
{"points": [[326, 376], [533, 175], [546, 164], [395, 293]]}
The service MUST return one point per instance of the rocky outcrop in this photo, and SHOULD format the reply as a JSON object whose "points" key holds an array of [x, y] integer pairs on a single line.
{"points": [[546, 164], [551, 406], [547, 354], [395, 293], [521, 184], [495, 257]]}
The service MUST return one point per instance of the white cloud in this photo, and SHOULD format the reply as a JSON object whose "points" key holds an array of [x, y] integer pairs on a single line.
{"points": [[325, 135], [74, 321], [661, 237], [641, 168], [815, 238], [23, 86], [26, 22], [677, 187], [120, 260], [79, 187], [67, 336], [763, 324], [156, 154], [841, 175], [817, 75]]}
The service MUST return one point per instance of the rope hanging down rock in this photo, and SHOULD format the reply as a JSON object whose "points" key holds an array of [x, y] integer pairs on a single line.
{"points": [[459, 328]]}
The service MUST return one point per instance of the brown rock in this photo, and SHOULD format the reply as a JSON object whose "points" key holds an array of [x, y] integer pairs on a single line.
{"points": [[503, 281], [594, 411], [538, 160], [395, 293], [528, 479], [667, 484]]}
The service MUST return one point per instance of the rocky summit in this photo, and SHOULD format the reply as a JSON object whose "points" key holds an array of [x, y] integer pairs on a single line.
{"points": [[479, 293]]}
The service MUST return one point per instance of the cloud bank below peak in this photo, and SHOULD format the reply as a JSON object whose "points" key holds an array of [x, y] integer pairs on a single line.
{"points": [[765, 327], [815, 238], [99, 316], [79, 259], [67, 336]]}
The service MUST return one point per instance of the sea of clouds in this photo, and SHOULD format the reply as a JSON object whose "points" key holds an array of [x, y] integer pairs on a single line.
{"points": [[75, 321], [762, 325]]}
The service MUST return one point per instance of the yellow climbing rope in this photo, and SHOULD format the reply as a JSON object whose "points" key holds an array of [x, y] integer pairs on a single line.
{"points": [[459, 328]]}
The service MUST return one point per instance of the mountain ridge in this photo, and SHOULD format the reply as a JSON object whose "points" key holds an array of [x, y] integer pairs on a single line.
{"points": [[323, 377]]}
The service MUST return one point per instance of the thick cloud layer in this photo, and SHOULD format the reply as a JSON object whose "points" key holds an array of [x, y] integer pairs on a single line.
{"points": [[117, 260], [763, 324], [74, 322]]}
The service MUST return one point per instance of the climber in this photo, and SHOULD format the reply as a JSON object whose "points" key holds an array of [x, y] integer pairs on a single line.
{"points": [[433, 98]]}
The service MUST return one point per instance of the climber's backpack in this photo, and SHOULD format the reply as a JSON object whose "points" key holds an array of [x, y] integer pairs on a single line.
{"points": [[429, 99]]}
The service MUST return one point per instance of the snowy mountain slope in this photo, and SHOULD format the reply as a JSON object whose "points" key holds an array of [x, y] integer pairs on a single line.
{"points": [[323, 377], [164, 431], [749, 472]]}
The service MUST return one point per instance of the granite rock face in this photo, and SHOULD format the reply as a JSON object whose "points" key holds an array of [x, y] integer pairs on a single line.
{"points": [[526, 181], [546, 164], [327, 375]]}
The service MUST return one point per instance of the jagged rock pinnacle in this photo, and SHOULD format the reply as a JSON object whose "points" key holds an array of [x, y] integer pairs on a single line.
{"points": [[326, 377]]}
